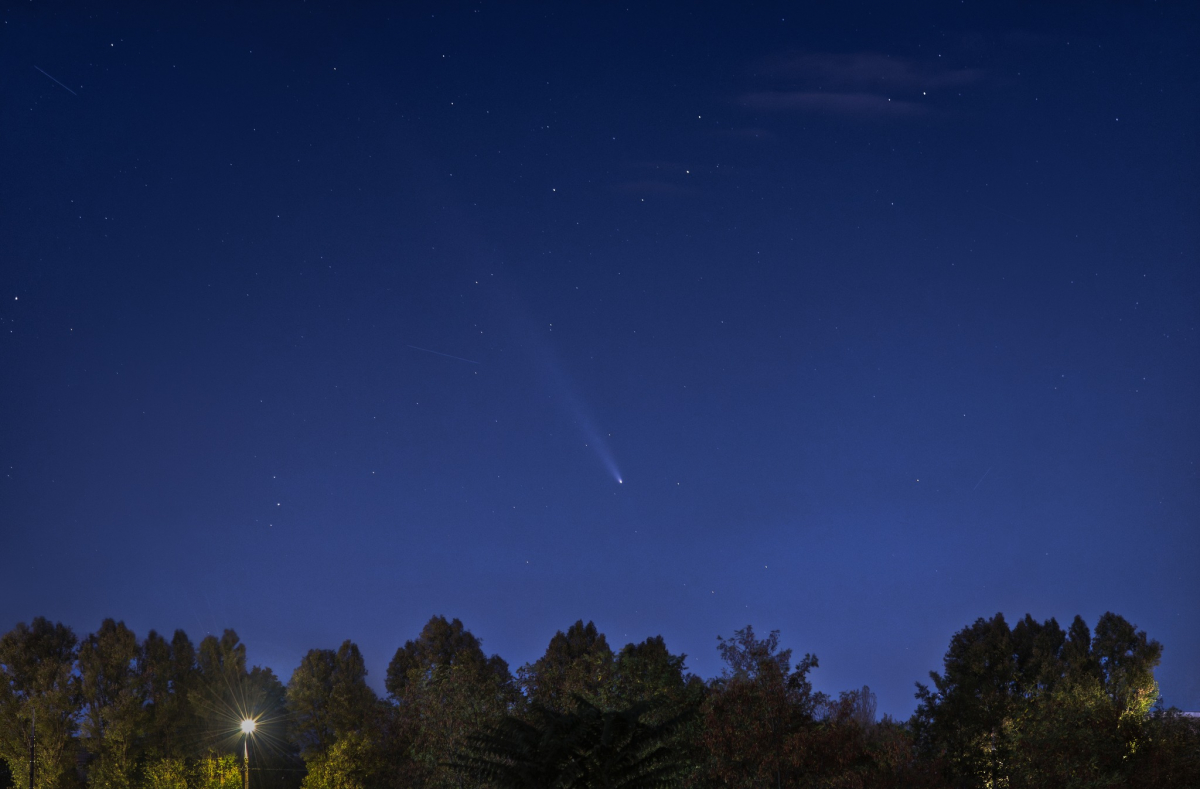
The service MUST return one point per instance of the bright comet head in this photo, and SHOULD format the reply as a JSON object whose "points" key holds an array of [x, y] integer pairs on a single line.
{"points": [[247, 726]]}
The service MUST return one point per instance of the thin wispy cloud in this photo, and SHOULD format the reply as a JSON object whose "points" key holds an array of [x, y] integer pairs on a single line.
{"points": [[851, 104], [867, 70], [862, 85]]}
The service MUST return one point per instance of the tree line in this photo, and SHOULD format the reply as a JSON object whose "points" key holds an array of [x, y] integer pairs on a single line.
{"points": [[1031, 705]]}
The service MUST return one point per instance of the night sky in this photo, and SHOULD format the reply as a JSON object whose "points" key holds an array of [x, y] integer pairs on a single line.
{"points": [[858, 322]]}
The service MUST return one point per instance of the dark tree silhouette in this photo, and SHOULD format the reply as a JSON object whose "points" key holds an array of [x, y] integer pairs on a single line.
{"points": [[587, 748]]}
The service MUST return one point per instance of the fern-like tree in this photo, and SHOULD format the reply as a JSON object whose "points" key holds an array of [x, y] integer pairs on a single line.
{"points": [[586, 748]]}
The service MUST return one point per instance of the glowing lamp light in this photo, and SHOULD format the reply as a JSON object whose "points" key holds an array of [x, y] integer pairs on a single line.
{"points": [[247, 726]]}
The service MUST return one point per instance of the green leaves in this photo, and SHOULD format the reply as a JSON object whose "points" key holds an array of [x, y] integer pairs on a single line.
{"points": [[577, 664], [113, 696], [329, 698], [1028, 706], [36, 684], [449, 689], [1034, 706], [352, 762]]}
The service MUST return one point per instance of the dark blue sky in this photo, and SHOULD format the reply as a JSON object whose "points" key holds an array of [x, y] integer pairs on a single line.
{"points": [[887, 319]]}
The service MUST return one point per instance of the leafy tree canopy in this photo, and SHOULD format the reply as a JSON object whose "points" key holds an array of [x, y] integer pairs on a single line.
{"points": [[441, 644]]}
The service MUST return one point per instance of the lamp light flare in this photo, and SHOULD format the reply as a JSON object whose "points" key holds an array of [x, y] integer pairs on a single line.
{"points": [[247, 726]]}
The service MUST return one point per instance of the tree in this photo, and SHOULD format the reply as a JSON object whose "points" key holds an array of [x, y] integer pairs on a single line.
{"points": [[760, 714], [328, 698], [220, 701], [577, 664], [165, 773], [445, 688], [171, 683], [1168, 756], [647, 671], [441, 644], [1035, 706], [352, 762], [583, 749], [226, 693], [216, 771], [37, 686], [963, 720], [1126, 660], [114, 717]]}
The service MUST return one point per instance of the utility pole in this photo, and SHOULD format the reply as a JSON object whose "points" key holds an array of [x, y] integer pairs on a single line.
{"points": [[33, 747]]}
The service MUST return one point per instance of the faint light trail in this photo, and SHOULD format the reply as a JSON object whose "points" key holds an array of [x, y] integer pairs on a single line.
{"points": [[981, 479], [447, 355], [64, 87]]}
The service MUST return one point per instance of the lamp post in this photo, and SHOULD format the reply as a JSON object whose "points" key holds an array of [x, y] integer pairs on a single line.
{"points": [[247, 730], [32, 748]]}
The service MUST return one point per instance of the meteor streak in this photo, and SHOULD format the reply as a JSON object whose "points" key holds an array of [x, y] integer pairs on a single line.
{"points": [[64, 87], [439, 353], [981, 479]]}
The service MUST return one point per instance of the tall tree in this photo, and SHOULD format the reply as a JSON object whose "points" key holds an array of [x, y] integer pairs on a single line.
{"points": [[353, 762], [963, 720], [37, 686], [227, 692], [114, 715], [647, 670], [168, 671], [577, 663], [171, 681], [760, 714], [446, 688], [647, 673], [1126, 659], [586, 748], [1034, 705], [221, 665], [328, 698]]}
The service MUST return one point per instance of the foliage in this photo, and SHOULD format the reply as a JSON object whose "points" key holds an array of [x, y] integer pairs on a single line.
{"points": [[649, 672], [328, 698], [578, 664], [760, 716], [1168, 756], [171, 683], [165, 774], [113, 700], [352, 762], [1034, 705], [37, 689], [587, 747], [216, 771], [448, 689]]}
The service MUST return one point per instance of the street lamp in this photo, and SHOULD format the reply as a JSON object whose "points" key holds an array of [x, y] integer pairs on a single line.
{"points": [[247, 730]]}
